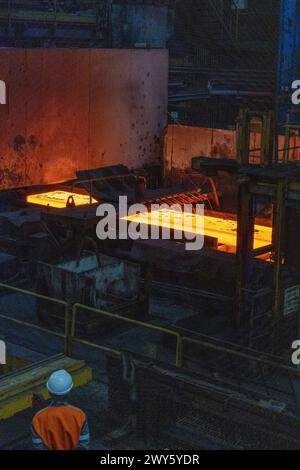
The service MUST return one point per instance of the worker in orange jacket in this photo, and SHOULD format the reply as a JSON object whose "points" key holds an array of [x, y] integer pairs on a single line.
{"points": [[60, 426]]}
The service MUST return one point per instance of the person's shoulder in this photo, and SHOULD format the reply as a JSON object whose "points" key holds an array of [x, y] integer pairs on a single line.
{"points": [[77, 411], [39, 413]]}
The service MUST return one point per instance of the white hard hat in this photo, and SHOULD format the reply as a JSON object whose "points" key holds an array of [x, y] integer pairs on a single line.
{"points": [[60, 383]]}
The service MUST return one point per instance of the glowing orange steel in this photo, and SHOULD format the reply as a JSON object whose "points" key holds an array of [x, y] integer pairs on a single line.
{"points": [[59, 199], [222, 229]]}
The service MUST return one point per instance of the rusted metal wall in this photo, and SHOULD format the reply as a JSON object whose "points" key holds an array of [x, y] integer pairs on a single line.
{"points": [[185, 142], [182, 143], [74, 109]]}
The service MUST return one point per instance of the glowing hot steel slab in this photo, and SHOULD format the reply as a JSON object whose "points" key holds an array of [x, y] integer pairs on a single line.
{"points": [[222, 229], [59, 199]]}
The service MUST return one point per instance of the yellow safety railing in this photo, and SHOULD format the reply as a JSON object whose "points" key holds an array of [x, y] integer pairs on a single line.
{"points": [[115, 316], [70, 324], [100, 347], [61, 303], [70, 327]]}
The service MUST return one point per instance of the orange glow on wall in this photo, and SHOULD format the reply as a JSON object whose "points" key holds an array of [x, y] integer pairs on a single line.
{"points": [[222, 229], [59, 199]]}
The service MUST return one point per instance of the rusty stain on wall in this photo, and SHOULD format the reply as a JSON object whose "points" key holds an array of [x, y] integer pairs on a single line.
{"points": [[74, 109], [182, 143]]}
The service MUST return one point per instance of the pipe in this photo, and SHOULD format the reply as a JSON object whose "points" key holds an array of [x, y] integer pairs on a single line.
{"points": [[219, 92]]}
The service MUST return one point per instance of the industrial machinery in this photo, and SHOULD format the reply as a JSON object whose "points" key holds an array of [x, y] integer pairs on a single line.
{"points": [[193, 348], [97, 281]]}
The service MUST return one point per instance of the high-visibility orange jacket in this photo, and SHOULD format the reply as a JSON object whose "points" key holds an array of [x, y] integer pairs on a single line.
{"points": [[60, 426]]}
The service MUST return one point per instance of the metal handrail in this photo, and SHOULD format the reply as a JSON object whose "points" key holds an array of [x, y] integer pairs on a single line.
{"points": [[115, 316], [243, 355], [181, 339], [62, 303], [290, 372], [25, 323], [84, 342]]}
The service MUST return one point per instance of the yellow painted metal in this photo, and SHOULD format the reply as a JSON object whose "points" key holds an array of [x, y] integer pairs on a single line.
{"points": [[100, 347], [22, 399], [294, 186], [61, 303], [18, 387], [13, 363], [266, 361], [31, 325], [16, 394], [32, 376], [46, 17], [69, 336], [33, 294], [115, 316]]}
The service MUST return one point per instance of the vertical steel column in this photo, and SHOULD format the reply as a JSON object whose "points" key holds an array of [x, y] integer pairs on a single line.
{"points": [[245, 238], [243, 137], [279, 239], [289, 45], [268, 138]]}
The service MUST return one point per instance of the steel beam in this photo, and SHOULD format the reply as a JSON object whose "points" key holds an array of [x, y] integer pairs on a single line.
{"points": [[288, 58], [279, 251], [244, 246]]}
